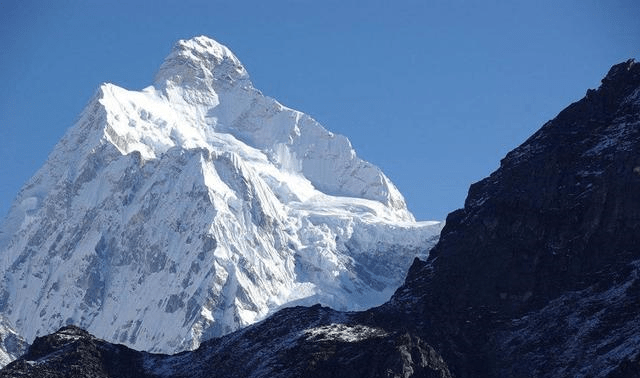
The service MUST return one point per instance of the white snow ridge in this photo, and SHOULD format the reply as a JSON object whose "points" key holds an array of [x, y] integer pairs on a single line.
{"points": [[195, 207]]}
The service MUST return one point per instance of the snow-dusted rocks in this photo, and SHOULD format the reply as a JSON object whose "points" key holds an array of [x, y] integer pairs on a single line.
{"points": [[12, 345], [197, 206]]}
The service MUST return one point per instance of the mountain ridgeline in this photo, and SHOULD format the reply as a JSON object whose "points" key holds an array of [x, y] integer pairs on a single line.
{"points": [[195, 207], [537, 276]]}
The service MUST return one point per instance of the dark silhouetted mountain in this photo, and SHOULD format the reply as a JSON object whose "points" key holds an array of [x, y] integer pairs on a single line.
{"points": [[537, 275]]}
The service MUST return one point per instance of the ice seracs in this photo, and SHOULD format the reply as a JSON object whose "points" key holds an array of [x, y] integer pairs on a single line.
{"points": [[197, 206]]}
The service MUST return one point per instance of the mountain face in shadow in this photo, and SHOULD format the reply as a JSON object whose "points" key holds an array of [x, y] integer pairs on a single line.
{"points": [[537, 276]]}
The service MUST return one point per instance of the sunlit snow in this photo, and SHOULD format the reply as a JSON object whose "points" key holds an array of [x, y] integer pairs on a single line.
{"points": [[195, 207]]}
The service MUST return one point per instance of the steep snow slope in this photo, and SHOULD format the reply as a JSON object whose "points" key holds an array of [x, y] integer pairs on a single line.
{"points": [[197, 206]]}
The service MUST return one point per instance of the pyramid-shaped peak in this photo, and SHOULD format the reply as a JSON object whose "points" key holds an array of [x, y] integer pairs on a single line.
{"points": [[195, 207], [200, 61]]}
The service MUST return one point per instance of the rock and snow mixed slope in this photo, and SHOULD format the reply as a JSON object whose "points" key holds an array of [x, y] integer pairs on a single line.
{"points": [[197, 206], [12, 345]]}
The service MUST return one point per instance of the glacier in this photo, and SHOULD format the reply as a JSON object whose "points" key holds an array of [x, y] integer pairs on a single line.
{"points": [[197, 206]]}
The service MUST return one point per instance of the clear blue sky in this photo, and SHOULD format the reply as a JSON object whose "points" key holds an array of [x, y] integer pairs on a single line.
{"points": [[433, 92]]}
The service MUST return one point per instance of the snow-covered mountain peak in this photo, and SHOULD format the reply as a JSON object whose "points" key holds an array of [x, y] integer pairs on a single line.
{"points": [[200, 63], [197, 206], [203, 99]]}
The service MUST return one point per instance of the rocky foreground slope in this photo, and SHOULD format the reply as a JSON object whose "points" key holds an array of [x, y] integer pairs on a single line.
{"points": [[537, 276]]}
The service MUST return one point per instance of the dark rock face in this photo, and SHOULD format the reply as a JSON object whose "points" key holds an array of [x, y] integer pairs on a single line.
{"points": [[72, 352], [546, 250], [538, 276], [310, 342], [560, 214]]}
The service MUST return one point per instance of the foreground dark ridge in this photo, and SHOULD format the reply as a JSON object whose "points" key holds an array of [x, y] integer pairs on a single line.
{"points": [[536, 277]]}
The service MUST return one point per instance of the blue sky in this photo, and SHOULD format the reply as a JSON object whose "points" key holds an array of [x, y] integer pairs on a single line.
{"points": [[433, 92]]}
